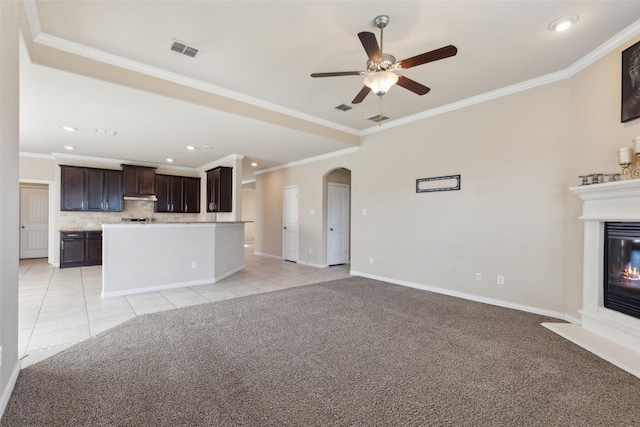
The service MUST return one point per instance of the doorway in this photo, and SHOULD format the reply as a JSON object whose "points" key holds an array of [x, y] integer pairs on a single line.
{"points": [[338, 223], [34, 222], [337, 216], [290, 224]]}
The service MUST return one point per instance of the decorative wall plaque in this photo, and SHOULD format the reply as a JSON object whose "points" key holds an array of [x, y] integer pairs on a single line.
{"points": [[438, 183]]}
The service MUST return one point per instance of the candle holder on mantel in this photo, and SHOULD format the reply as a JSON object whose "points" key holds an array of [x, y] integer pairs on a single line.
{"points": [[630, 165]]}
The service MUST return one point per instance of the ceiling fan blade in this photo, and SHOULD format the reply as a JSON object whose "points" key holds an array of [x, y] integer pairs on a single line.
{"points": [[361, 95], [434, 55], [370, 45], [338, 73], [412, 85]]}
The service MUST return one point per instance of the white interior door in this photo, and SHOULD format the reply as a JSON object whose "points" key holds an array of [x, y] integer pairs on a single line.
{"points": [[290, 224], [34, 222], [338, 223]]}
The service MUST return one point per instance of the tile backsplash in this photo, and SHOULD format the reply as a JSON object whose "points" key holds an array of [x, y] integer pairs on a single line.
{"points": [[68, 220]]}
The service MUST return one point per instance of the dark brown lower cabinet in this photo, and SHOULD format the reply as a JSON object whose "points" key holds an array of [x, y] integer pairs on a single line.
{"points": [[80, 248]]}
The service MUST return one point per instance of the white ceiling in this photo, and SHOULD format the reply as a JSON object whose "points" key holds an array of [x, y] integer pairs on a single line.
{"points": [[261, 53]]}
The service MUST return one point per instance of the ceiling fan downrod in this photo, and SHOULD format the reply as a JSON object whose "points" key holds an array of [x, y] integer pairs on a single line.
{"points": [[381, 21]]}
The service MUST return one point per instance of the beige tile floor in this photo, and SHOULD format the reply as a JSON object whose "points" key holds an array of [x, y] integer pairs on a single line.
{"points": [[61, 307]]}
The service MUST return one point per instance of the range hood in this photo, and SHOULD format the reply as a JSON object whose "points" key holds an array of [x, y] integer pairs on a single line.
{"points": [[139, 183], [148, 198]]}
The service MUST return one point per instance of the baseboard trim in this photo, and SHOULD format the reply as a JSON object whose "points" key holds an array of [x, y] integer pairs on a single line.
{"points": [[229, 273], [471, 297], [267, 255], [312, 264], [6, 394]]}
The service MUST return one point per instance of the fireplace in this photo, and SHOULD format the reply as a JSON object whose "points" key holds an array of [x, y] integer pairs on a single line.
{"points": [[621, 280], [609, 323]]}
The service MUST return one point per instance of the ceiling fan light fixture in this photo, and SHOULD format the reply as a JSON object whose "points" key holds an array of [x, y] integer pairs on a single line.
{"points": [[381, 82]]}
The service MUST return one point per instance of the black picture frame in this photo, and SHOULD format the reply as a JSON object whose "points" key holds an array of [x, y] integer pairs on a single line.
{"points": [[434, 184], [630, 82]]}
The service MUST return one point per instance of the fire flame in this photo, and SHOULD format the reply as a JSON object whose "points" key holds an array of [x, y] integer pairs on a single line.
{"points": [[631, 273]]}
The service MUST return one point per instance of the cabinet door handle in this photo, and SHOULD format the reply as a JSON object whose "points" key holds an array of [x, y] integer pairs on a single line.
{"points": [[62, 247], [186, 208], [82, 205], [107, 205]]}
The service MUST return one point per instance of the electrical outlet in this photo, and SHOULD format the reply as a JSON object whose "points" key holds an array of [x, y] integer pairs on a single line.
{"points": [[500, 280], [194, 264], [370, 260], [310, 251], [364, 211], [478, 277]]}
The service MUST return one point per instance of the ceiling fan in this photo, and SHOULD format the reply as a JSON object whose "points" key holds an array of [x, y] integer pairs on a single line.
{"points": [[380, 74]]}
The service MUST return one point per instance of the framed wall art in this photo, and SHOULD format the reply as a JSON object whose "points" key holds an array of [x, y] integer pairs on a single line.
{"points": [[438, 183], [630, 83]]}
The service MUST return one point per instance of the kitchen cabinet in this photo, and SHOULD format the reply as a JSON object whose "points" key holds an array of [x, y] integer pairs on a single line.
{"points": [[191, 195], [73, 186], [138, 180], [177, 194], [219, 189], [104, 190], [80, 248], [93, 248], [90, 189]]}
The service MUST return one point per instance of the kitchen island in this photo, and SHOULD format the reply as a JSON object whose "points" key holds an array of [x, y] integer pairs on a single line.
{"points": [[151, 257]]}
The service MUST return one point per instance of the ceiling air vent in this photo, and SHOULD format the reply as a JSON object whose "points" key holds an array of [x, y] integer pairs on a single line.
{"points": [[343, 107], [378, 118], [183, 49]]}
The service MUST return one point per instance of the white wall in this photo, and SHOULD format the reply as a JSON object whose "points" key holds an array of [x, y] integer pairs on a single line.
{"points": [[9, 195], [514, 216]]}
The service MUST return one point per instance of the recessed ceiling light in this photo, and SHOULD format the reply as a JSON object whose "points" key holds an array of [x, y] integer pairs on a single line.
{"points": [[170, 160], [190, 147], [69, 128], [254, 164], [563, 24], [207, 147], [68, 147]]}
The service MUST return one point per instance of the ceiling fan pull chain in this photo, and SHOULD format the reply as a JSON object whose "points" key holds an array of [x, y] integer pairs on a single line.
{"points": [[381, 113]]}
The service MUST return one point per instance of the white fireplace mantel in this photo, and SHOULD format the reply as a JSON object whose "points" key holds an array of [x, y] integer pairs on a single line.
{"points": [[607, 333]]}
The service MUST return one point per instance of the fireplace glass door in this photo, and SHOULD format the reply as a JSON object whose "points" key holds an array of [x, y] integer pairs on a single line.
{"points": [[622, 272]]}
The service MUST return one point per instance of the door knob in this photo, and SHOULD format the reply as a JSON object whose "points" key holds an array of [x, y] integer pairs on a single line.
{"points": [[22, 226], [285, 228], [331, 229]]}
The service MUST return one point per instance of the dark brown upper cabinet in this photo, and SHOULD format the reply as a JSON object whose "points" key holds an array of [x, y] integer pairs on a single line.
{"points": [[219, 189], [138, 180], [177, 194], [90, 189]]}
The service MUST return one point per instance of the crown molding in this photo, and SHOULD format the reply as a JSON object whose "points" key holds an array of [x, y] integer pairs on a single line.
{"points": [[488, 96], [31, 12], [36, 155], [220, 162], [118, 162], [309, 160]]}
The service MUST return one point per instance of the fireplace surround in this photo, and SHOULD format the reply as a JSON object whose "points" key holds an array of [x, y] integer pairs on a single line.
{"points": [[610, 211]]}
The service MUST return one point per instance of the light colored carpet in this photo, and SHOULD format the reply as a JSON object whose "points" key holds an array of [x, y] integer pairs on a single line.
{"points": [[352, 352]]}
